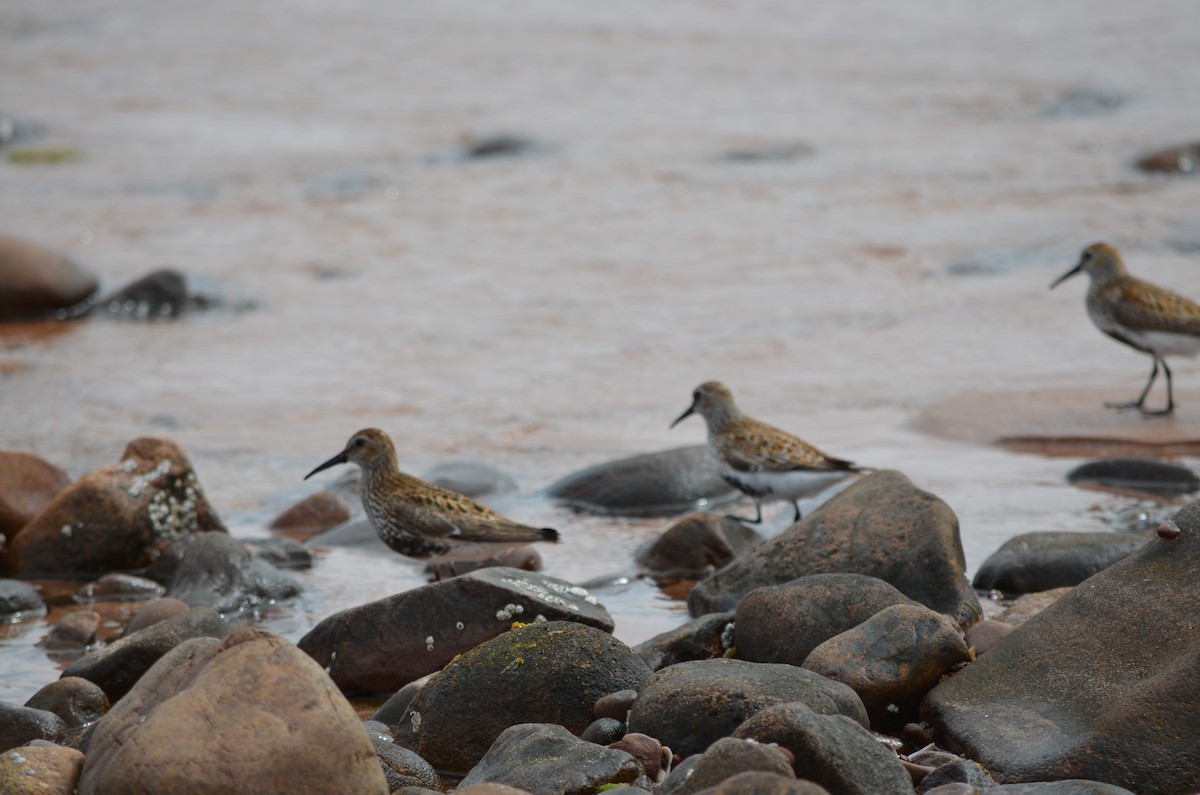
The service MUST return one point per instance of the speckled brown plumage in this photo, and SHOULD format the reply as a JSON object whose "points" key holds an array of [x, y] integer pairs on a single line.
{"points": [[759, 459], [420, 519], [1142, 315]]}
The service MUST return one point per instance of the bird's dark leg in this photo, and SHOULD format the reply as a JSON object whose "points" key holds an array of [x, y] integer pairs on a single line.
{"points": [[797, 517], [1137, 404], [1170, 393], [757, 515]]}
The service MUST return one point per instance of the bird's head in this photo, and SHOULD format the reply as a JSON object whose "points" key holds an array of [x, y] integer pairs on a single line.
{"points": [[370, 448], [1099, 261], [713, 401]]}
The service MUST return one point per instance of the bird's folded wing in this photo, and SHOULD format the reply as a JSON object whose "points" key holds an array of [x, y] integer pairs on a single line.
{"points": [[1147, 307], [772, 450]]}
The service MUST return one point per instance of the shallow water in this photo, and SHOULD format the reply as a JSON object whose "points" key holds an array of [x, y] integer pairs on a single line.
{"points": [[876, 281]]}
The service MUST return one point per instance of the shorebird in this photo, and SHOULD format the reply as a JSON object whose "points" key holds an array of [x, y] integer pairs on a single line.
{"points": [[1144, 316], [419, 519], [758, 459]]}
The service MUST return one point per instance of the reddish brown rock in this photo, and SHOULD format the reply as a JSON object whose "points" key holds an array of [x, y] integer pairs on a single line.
{"points": [[34, 279], [696, 546], [27, 485], [252, 712], [117, 517], [314, 514]]}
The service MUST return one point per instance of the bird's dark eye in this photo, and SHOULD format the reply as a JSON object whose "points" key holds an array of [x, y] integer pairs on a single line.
{"points": [[696, 395], [359, 442], [1087, 255]]}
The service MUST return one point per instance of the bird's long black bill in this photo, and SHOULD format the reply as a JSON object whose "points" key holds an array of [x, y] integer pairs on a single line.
{"points": [[690, 411], [1067, 275], [340, 458]]}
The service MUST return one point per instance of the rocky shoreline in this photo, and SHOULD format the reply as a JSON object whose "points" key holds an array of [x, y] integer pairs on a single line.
{"points": [[848, 654]]}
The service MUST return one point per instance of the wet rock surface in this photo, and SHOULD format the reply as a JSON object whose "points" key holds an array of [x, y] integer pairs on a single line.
{"points": [[18, 597], [73, 634], [35, 280], [784, 623], [1181, 159], [117, 667], [551, 672], [77, 701], [28, 484], [830, 749], [119, 588], [881, 526], [219, 694], [153, 612], [758, 783], [892, 660], [541, 757], [19, 725], [214, 570], [116, 517], [696, 546], [691, 705], [402, 767], [1099, 685], [654, 484], [157, 295], [381, 646], [1043, 561]]}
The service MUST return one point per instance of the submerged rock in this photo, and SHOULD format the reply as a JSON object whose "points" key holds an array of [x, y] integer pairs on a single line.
{"points": [[1043, 561], [1100, 685], [654, 484], [696, 546], [471, 478], [1146, 475], [19, 598], [881, 526], [214, 570]]}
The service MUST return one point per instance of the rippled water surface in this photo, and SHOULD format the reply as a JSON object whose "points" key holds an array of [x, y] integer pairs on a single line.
{"points": [[850, 213]]}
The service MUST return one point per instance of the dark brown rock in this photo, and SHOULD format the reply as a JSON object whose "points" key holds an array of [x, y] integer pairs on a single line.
{"points": [[702, 639], [1029, 605], [1047, 560], [648, 751], [40, 770], [881, 526], [831, 750], [162, 293], [654, 484], [892, 660], [381, 646], [118, 666], [542, 757], [691, 705], [1182, 159], [1064, 787], [19, 725], [155, 611], [784, 623], [1133, 474], [1099, 685], [696, 546], [402, 767], [73, 633], [229, 699], [77, 701], [547, 672], [726, 758], [36, 280], [117, 517], [615, 705], [759, 783], [314, 514], [27, 485], [119, 588], [603, 731]]}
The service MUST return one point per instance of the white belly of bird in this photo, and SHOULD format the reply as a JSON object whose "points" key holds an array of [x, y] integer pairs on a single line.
{"points": [[789, 486], [1164, 343]]}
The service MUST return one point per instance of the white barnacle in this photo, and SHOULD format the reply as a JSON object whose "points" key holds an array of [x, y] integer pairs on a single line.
{"points": [[460, 626], [415, 717], [540, 619], [429, 642], [65, 530], [16, 757], [508, 611], [727, 636], [128, 465]]}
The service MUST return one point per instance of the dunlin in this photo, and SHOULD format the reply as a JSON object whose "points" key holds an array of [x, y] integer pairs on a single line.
{"points": [[1144, 316], [419, 519], [761, 460]]}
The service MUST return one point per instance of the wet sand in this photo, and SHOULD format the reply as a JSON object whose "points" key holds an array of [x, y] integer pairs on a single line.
{"points": [[874, 276]]}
